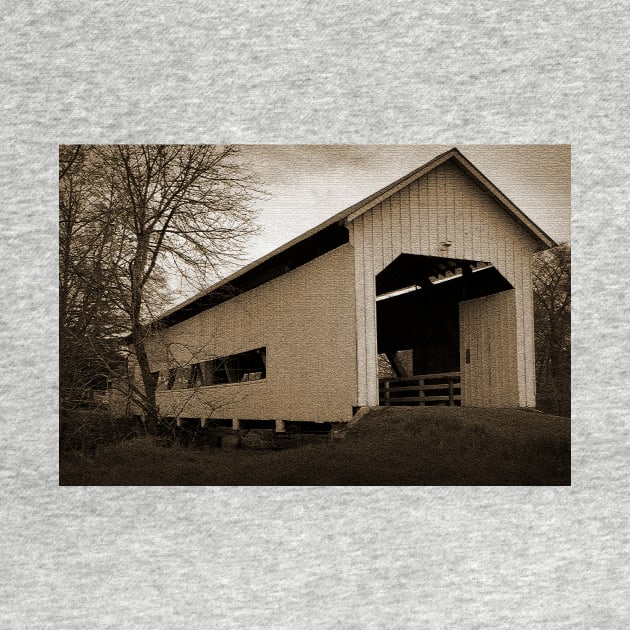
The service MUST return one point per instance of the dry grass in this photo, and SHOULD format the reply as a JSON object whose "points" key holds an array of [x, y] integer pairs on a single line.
{"points": [[393, 446]]}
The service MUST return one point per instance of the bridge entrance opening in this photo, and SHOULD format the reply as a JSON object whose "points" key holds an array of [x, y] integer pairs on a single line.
{"points": [[418, 326]]}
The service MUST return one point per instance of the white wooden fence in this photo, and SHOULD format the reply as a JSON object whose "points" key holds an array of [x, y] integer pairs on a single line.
{"points": [[421, 389]]}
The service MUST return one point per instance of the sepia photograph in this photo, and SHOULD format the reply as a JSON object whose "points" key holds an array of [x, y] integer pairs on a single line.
{"points": [[315, 315]]}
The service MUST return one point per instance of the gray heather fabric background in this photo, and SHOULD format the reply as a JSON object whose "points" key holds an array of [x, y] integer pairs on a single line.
{"points": [[331, 72]]}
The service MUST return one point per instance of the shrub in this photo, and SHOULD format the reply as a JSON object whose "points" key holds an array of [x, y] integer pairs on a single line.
{"points": [[84, 430]]}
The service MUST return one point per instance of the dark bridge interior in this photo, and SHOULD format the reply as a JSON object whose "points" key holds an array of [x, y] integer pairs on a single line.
{"points": [[418, 308]]}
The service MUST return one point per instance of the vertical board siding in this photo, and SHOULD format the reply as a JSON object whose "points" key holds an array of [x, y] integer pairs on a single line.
{"points": [[384, 237], [488, 331], [445, 204], [358, 230], [432, 204], [421, 209], [520, 328], [377, 235], [528, 351], [405, 218], [370, 313]]}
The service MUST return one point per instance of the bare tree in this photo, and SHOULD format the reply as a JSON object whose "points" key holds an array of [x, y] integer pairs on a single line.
{"points": [[89, 319], [552, 313], [157, 210]]}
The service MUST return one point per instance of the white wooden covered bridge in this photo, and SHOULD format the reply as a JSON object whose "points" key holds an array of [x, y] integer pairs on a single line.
{"points": [[432, 272]]}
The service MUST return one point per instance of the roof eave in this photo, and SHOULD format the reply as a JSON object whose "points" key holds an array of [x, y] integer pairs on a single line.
{"points": [[349, 214]]}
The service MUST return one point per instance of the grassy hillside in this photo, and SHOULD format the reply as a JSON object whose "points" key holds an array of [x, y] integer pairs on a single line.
{"points": [[391, 446]]}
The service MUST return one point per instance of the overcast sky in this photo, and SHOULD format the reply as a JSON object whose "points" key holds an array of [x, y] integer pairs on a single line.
{"points": [[307, 184]]}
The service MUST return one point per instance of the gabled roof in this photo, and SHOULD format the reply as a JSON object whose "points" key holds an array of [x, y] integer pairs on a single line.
{"points": [[331, 234], [455, 155]]}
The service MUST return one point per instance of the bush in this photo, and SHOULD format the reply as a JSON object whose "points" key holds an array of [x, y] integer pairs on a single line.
{"points": [[84, 430]]}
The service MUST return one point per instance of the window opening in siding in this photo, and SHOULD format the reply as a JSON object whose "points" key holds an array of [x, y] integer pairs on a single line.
{"points": [[235, 368], [165, 379], [180, 378], [170, 378], [196, 376]]}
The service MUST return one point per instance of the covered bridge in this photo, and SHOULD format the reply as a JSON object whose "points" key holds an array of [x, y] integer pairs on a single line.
{"points": [[419, 294]]}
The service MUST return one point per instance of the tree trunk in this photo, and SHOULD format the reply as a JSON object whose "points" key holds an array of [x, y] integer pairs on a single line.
{"points": [[139, 332], [148, 381]]}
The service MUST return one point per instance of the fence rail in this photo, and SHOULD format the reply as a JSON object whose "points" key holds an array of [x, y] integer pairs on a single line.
{"points": [[421, 389]]}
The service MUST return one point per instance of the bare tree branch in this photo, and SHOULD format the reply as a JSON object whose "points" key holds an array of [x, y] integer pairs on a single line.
{"points": [[128, 214]]}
